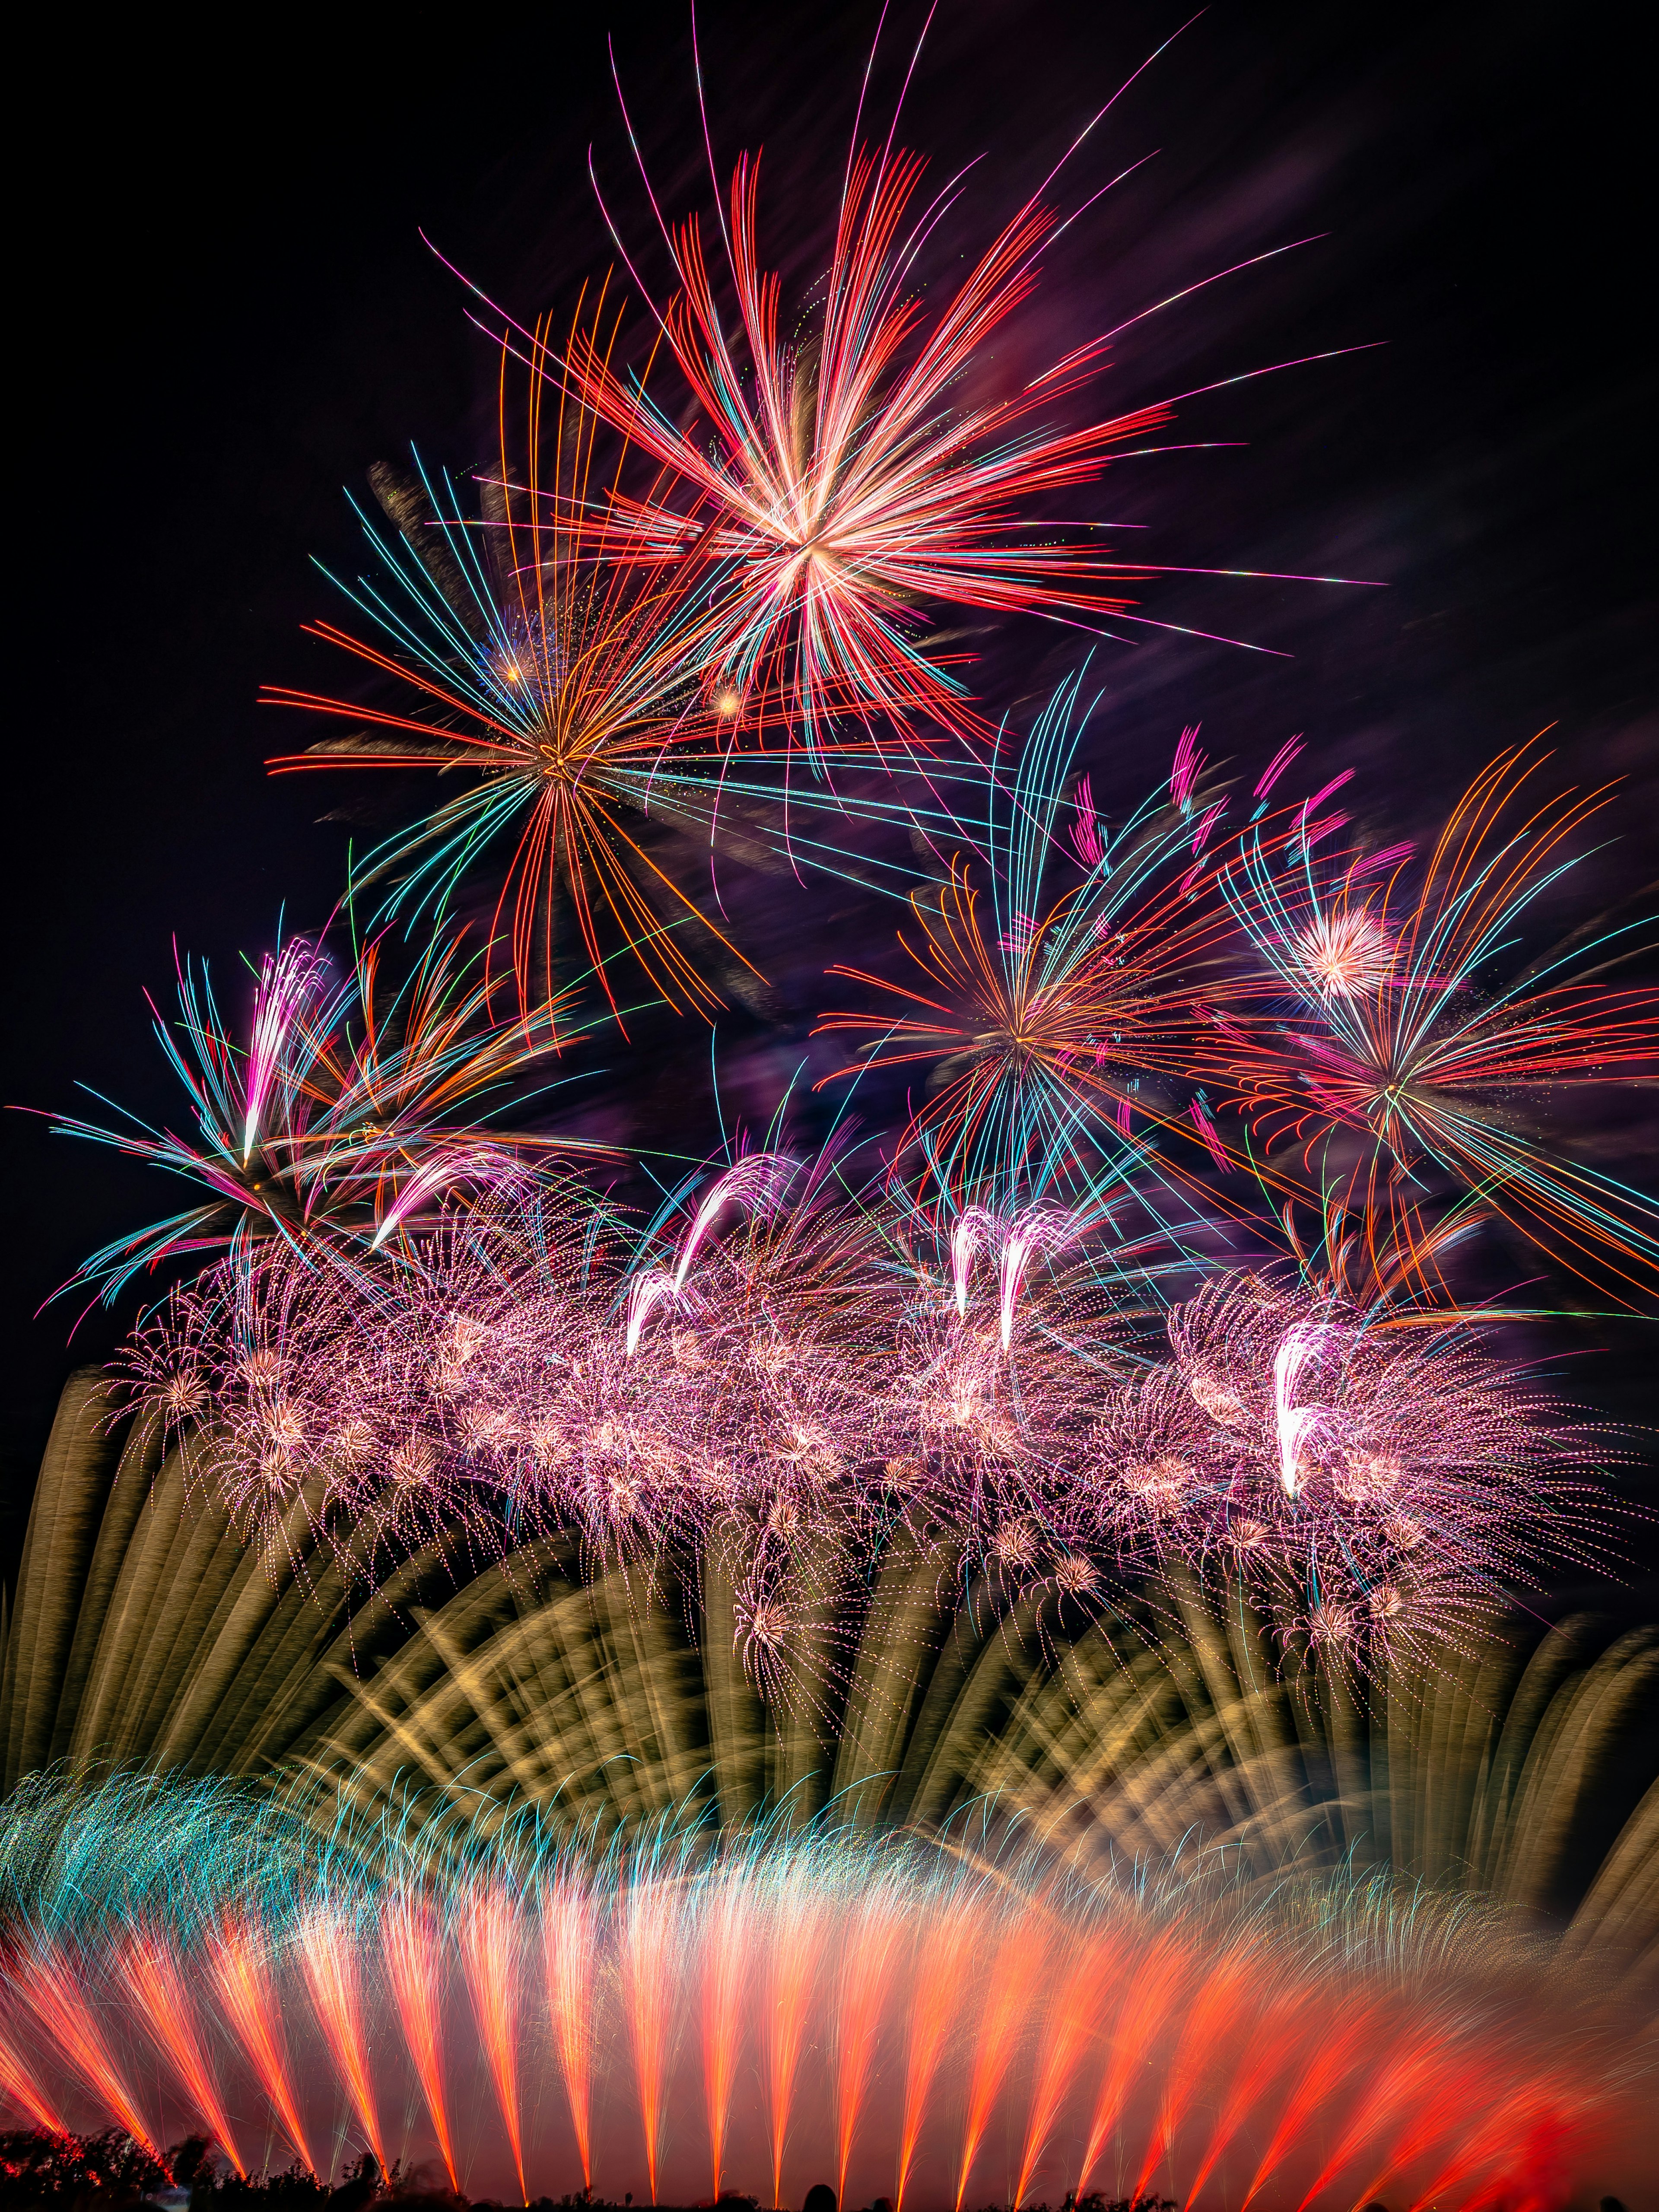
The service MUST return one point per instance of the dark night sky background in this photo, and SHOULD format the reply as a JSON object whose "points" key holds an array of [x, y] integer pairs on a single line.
{"points": [[231, 314]]}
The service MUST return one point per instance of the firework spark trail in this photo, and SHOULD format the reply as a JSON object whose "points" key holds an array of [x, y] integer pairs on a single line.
{"points": [[756, 1183], [1338, 2053], [1385, 1024], [1292, 1424], [1402, 2057], [1222, 2003], [329, 1957], [1066, 2026], [892, 499], [841, 484], [1268, 2040], [1536, 2135], [1039, 1229], [795, 1937], [822, 1396], [19, 2084], [1422, 2088], [238, 1961], [1149, 2000], [288, 980], [489, 1937], [55, 1993], [575, 694], [412, 1945], [975, 1226], [149, 1967], [1042, 1014], [570, 1935], [871, 1952], [652, 1933], [1017, 1970], [941, 1953], [334, 1131], [727, 1940]]}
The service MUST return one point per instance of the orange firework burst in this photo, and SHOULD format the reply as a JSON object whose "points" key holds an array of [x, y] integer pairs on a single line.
{"points": [[570, 690], [1035, 1018]]}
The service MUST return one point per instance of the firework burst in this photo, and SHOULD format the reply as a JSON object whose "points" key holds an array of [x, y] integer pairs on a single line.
{"points": [[828, 1390], [568, 692], [1391, 1027], [1046, 1022], [1383, 1469], [347, 1117], [832, 476], [1467, 2068]]}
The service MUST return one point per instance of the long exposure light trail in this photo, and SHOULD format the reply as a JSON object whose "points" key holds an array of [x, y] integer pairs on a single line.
{"points": [[875, 2009]]}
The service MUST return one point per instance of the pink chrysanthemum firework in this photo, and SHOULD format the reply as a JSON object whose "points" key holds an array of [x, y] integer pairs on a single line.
{"points": [[1380, 1469], [819, 1387]]}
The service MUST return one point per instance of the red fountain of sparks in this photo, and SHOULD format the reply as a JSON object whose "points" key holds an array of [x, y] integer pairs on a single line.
{"points": [[907, 2012]]}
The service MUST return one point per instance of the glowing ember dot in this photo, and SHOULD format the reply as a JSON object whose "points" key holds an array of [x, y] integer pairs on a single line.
{"points": [[285, 1429], [548, 1445], [484, 1427], [962, 1409], [728, 703], [767, 1625], [1367, 1474], [352, 1443], [184, 1394], [1014, 1546], [413, 1463], [465, 1335], [1213, 1397], [1158, 1483], [811, 1448], [1331, 1624]]}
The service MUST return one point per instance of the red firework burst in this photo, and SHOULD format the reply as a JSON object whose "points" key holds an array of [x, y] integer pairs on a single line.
{"points": [[832, 477]]}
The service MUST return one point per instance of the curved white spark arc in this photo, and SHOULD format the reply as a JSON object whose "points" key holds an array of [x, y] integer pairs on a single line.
{"points": [[645, 1293], [1044, 1228], [1296, 1349], [974, 1228], [477, 1163], [757, 1183], [286, 982]]}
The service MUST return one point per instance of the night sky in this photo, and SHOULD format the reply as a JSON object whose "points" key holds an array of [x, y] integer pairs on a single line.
{"points": [[228, 313]]}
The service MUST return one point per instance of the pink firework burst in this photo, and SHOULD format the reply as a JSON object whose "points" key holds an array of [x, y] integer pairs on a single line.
{"points": [[835, 1383]]}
